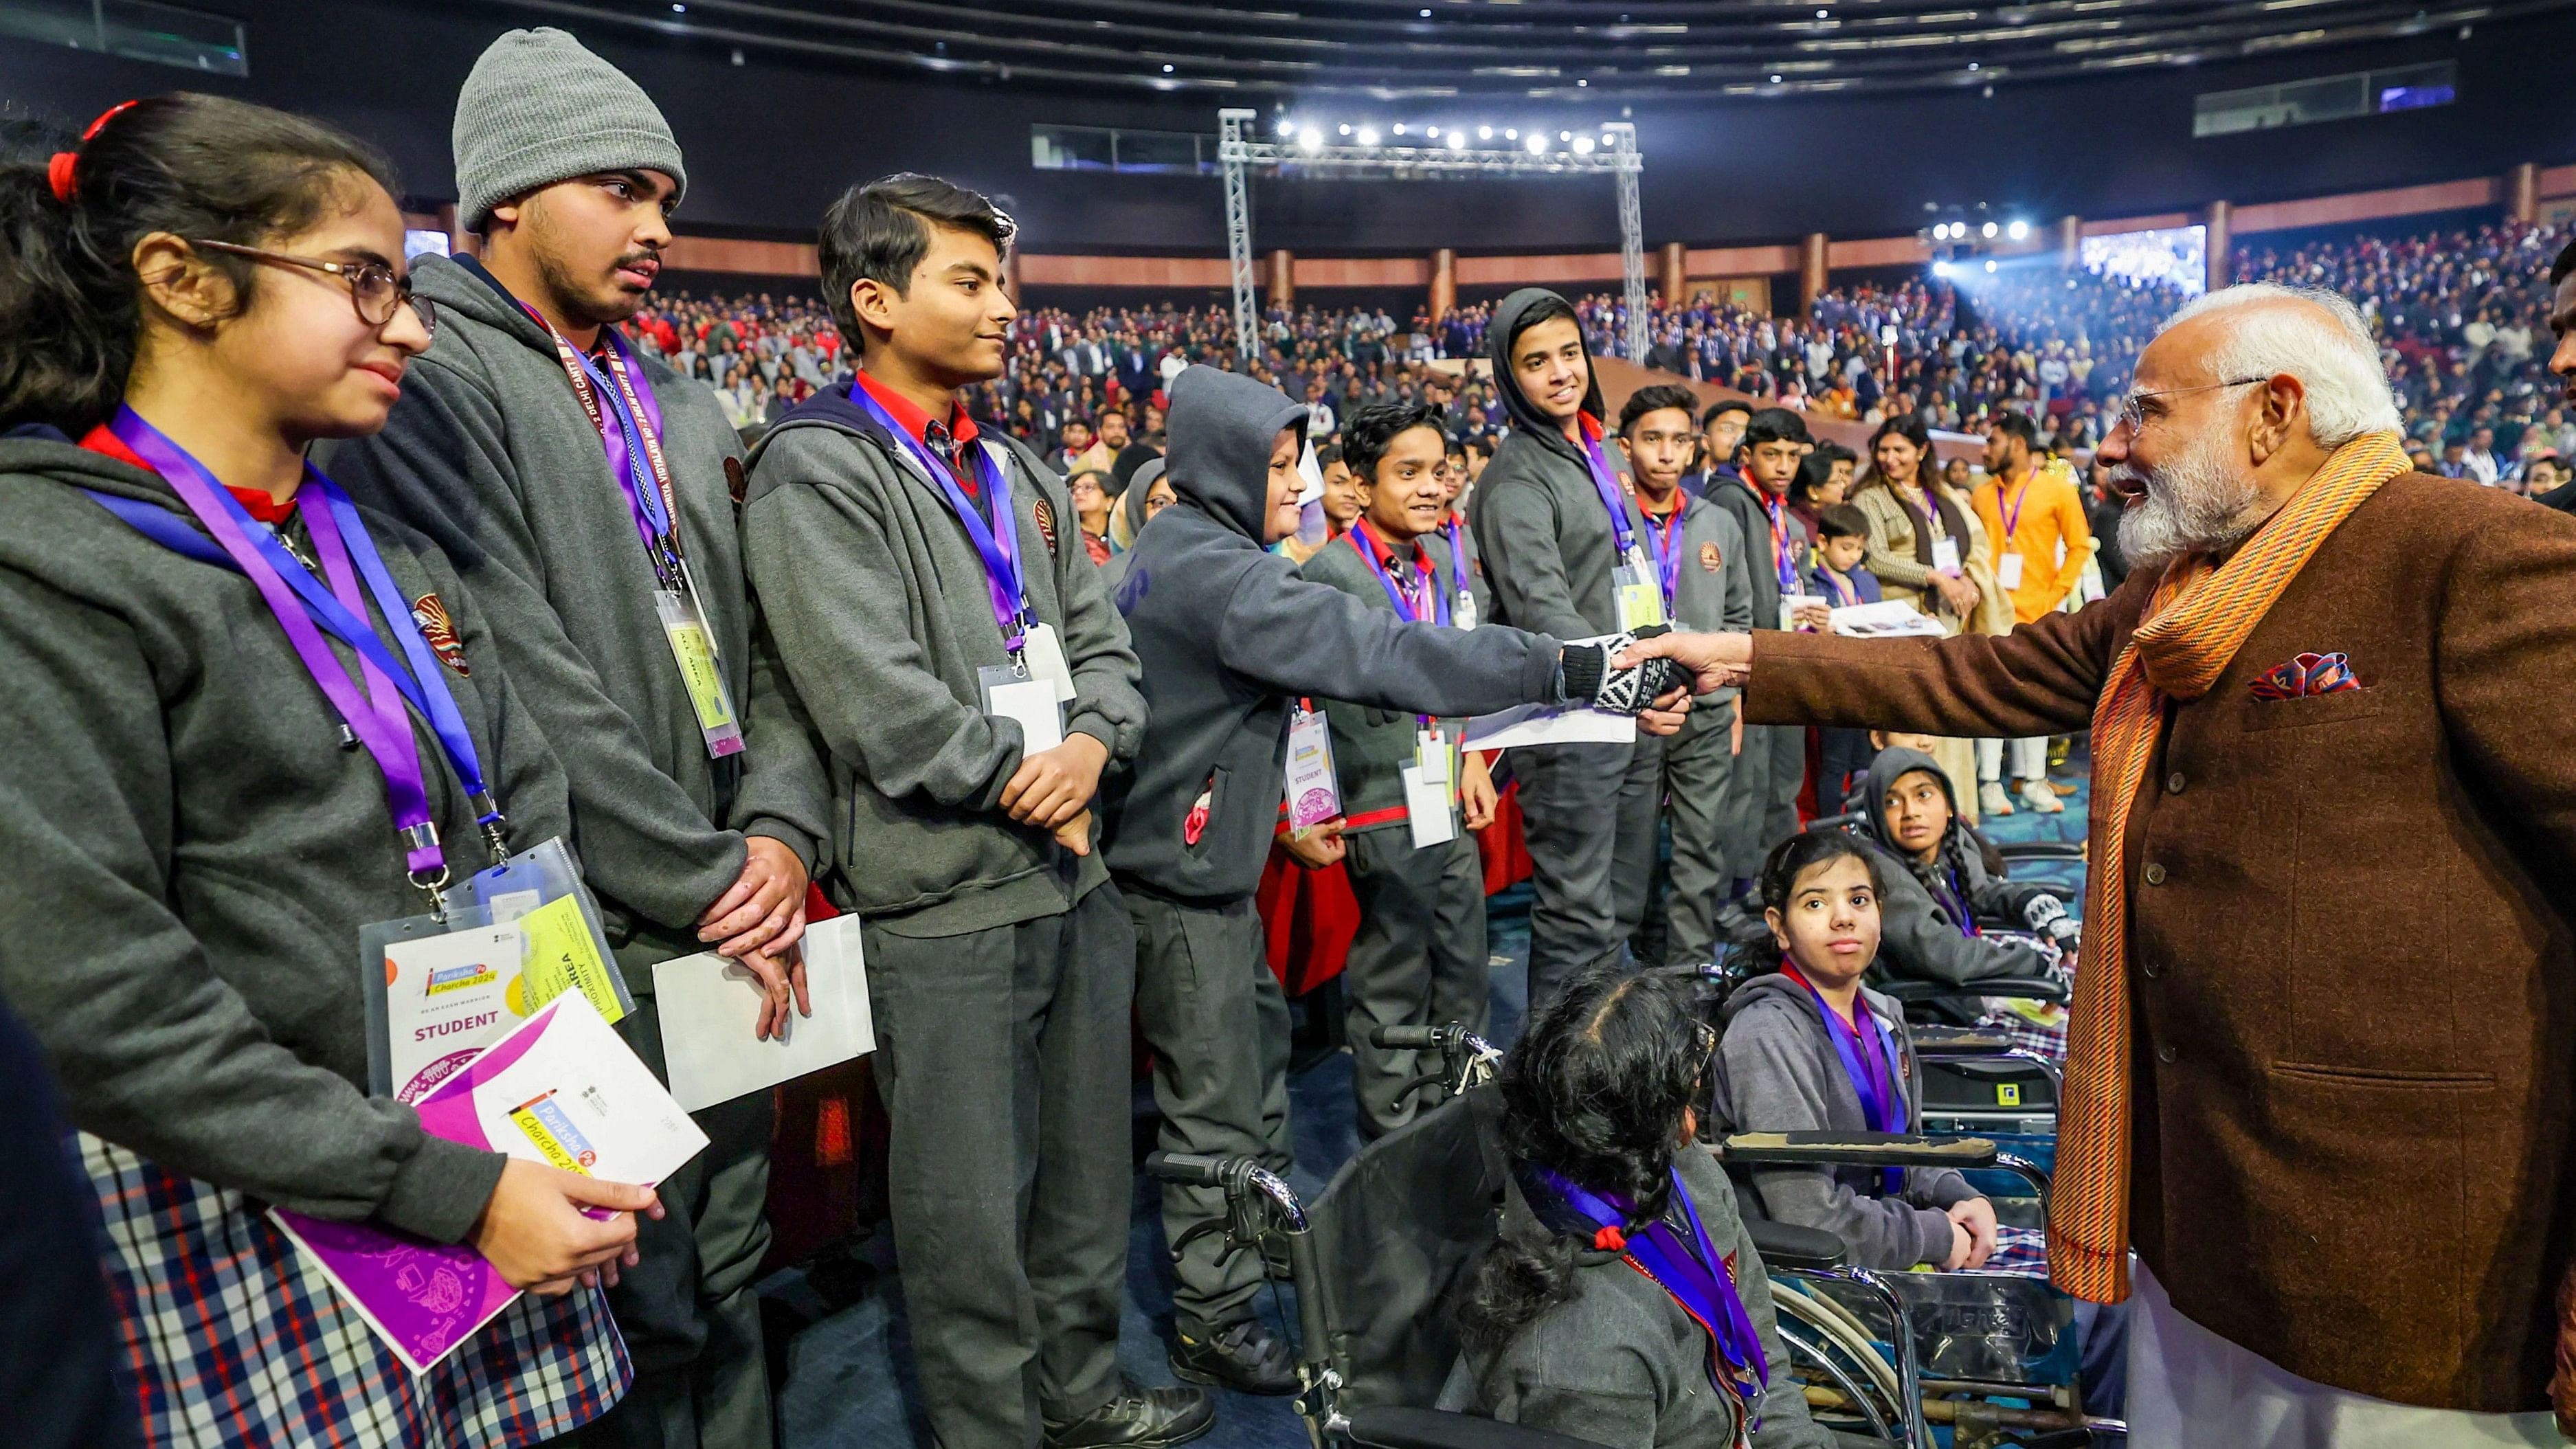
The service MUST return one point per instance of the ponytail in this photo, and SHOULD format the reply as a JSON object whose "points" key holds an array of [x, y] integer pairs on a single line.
{"points": [[198, 167]]}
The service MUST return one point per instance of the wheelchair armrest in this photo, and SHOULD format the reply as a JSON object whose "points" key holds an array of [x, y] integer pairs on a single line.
{"points": [[2040, 850], [1786, 1245], [1851, 820], [1389, 1428], [2017, 988], [1962, 1040], [1857, 1149]]}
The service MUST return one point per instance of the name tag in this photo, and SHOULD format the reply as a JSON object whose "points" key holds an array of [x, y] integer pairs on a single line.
{"points": [[1012, 693], [693, 648], [2008, 571], [1045, 656], [1790, 604], [1640, 597], [1945, 555], [1464, 613], [1314, 796], [1427, 811]]}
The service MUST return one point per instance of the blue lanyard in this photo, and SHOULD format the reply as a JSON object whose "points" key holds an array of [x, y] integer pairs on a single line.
{"points": [[1457, 561], [999, 547], [1365, 543], [1784, 554], [1668, 553], [1870, 1064], [1607, 486], [629, 420]]}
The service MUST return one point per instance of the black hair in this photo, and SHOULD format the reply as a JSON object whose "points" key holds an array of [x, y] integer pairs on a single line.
{"points": [[1805, 851], [1654, 400], [880, 232], [2017, 425], [1595, 1091], [1775, 425], [1374, 429], [2565, 264], [1721, 408], [1327, 455], [1814, 471], [1842, 521], [1545, 309], [1908, 426], [196, 166]]}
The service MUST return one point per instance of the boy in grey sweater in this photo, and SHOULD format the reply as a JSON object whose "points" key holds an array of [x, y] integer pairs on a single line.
{"points": [[1229, 639], [915, 571]]}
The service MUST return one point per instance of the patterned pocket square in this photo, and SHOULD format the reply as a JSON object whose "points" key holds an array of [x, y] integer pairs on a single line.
{"points": [[2306, 675]]}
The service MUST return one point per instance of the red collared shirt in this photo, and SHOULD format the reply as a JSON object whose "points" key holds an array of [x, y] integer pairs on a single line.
{"points": [[1413, 576], [913, 420], [259, 505]]}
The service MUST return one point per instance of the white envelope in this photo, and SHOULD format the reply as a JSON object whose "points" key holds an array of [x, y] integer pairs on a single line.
{"points": [[1549, 724], [709, 1005]]}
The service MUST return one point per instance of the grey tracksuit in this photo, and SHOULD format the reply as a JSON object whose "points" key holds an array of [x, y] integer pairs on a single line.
{"points": [[1777, 1071], [1620, 1364], [1229, 636], [1920, 937], [1001, 965], [1548, 551], [1419, 955], [490, 453], [1762, 808], [1684, 777], [192, 852]]}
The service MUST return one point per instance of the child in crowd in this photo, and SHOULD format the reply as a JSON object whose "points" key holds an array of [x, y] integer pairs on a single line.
{"points": [[1841, 580]]}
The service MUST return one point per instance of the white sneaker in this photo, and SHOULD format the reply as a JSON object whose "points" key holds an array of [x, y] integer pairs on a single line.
{"points": [[1992, 800], [2040, 798]]}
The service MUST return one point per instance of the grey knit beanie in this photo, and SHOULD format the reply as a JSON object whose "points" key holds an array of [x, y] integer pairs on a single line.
{"points": [[538, 109]]}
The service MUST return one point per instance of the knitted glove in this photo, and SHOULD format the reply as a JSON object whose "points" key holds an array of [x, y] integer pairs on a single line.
{"points": [[1590, 679]]}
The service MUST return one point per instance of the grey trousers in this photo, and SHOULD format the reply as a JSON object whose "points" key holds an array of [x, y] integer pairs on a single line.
{"points": [[1669, 916], [1417, 960], [1218, 1024], [1003, 1056], [1762, 798], [1569, 819], [687, 1309]]}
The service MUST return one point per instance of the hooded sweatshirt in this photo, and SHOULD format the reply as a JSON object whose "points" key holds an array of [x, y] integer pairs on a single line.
{"points": [[1920, 934], [879, 604], [192, 851], [1229, 637], [1777, 1071], [490, 453], [1542, 534]]}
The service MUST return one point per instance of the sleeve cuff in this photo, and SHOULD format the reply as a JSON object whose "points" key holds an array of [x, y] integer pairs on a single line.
{"points": [[1096, 725], [440, 1192]]}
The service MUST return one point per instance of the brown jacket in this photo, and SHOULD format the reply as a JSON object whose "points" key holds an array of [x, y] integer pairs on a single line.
{"points": [[2349, 941]]}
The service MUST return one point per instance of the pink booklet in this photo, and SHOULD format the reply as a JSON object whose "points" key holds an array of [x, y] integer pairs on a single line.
{"points": [[561, 1089]]}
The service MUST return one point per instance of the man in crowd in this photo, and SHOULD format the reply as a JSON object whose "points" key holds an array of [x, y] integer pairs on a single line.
{"points": [[2311, 711], [2036, 526], [583, 491], [1067, 459], [1000, 960], [1113, 440], [1721, 429]]}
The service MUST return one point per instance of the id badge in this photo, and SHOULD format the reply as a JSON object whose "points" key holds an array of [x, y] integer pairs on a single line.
{"points": [[1314, 795], [2008, 571], [438, 992], [1945, 555], [1640, 596], [1427, 811], [693, 647], [1790, 604], [1045, 655], [1464, 613], [1432, 755], [1011, 692]]}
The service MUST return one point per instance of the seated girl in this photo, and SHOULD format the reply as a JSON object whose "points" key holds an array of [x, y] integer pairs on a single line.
{"points": [[1624, 1304]]}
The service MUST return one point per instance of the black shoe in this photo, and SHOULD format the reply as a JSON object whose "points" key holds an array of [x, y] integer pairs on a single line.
{"points": [[1138, 1419], [1245, 1357]]}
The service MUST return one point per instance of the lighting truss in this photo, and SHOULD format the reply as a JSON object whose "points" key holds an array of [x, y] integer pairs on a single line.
{"points": [[1238, 152]]}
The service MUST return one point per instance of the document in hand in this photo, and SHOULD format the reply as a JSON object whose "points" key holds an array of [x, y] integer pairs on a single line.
{"points": [[709, 1006], [561, 1089], [1892, 619], [1549, 724]]}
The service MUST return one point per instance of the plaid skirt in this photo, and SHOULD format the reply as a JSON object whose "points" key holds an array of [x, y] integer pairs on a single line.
{"points": [[234, 1340]]}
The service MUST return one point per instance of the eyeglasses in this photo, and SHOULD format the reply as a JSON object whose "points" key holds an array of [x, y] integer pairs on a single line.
{"points": [[374, 290], [2134, 414]]}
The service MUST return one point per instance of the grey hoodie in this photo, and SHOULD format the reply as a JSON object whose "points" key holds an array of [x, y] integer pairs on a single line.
{"points": [[1229, 636], [1777, 1071], [880, 608], [192, 851], [1918, 937], [1543, 537], [490, 454]]}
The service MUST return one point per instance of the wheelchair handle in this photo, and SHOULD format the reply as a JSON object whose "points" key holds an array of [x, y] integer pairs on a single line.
{"points": [[1405, 1038], [1190, 1169]]}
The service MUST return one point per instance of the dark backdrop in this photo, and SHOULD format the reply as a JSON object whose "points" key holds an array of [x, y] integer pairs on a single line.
{"points": [[773, 141]]}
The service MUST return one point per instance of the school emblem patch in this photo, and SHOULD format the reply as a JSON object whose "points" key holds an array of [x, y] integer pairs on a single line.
{"points": [[1708, 557], [1046, 523], [430, 613]]}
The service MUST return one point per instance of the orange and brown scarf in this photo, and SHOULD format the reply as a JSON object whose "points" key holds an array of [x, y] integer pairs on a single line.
{"points": [[2202, 613]]}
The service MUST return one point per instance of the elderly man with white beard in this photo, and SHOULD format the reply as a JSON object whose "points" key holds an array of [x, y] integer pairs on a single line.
{"points": [[2319, 1074]]}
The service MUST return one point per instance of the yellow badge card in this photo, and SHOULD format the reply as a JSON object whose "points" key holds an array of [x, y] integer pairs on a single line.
{"points": [[563, 955]]}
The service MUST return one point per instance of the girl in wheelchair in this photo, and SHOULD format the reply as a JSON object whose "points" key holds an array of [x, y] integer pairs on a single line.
{"points": [[1623, 1303]]}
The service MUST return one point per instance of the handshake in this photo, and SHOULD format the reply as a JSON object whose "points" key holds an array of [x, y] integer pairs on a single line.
{"points": [[1652, 673]]}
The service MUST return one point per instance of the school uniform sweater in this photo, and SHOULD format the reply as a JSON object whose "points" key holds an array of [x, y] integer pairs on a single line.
{"points": [[1713, 584], [1372, 746]]}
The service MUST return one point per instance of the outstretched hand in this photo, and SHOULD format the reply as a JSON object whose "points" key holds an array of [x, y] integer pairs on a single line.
{"points": [[1717, 661]]}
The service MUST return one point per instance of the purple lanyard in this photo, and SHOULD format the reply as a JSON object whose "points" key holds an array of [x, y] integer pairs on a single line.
{"points": [[1605, 484], [1457, 560], [630, 431], [377, 717], [1784, 555], [1955, 901], [1701, 1283], [1668, 555], [1870, 1064], [1365, 544], [999, 548], [2012, 520]]}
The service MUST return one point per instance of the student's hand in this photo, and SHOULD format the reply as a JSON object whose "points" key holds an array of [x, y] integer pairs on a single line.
{"points": [[1735, 731], [1962, 1243], [1665, 715], [1818, 616], [765, 907], [1051, 786], [782, 980], [1075, 834], [1477, 797], [535, 1235], [1976, 1217], [1320, 846], [1715, 660]]}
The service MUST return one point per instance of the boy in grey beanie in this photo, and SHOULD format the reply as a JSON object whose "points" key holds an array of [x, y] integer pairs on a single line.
{"points": [[699, 813]]}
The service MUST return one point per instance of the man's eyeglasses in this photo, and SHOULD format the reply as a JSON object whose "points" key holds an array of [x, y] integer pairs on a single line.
{"points": [[2133, 412], [373, 288]]}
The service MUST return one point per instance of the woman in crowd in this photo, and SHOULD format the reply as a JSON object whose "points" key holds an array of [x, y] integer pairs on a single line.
{"points": [[1148, 493], [1089, 490], [1565, 1330], [189, 300], [1817, 487]]}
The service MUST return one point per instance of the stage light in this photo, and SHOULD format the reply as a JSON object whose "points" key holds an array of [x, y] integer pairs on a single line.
{"points": [[1484, 133], [678, 9], [1988, 230], [1941, 270], [1367, 136], [1457, 140], [1990, 268], [1344, 129], [1972, 65], [1511, 133], [2017, 230], [1582, 145], [1537, 144], [1310, 140], [1399, 128], [1167, 70], [1287, 127], [1582, 82], [1426, 14], [1432, 131]]}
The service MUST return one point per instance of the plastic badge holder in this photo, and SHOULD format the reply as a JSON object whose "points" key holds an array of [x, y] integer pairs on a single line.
{"points": [[567, 947]]}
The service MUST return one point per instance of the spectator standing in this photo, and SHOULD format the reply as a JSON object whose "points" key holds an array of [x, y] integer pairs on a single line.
{"points": [[2041, 544]]}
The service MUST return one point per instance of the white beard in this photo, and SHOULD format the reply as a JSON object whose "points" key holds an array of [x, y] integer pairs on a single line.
{"points": [[2198, 503]]}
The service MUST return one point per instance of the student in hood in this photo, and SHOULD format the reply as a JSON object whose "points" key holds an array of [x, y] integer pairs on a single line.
{"points": [[207, 795], [1234, 648], [584, 491]]}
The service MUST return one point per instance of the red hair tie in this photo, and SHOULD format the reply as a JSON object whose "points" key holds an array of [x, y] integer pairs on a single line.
{"points": [[1610, 1240], [63, 171]]}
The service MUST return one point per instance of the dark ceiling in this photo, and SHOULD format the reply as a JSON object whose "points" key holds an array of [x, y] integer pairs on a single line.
{"points": [[1589, 50]]}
